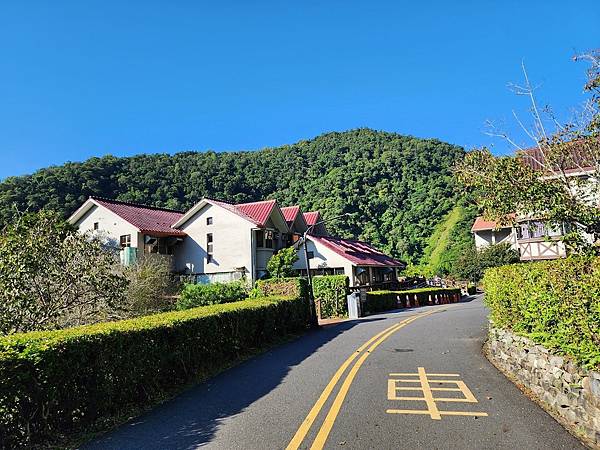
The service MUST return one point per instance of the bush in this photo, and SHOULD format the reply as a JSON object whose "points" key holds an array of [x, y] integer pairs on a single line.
{"points": [[57, 383], [331, 292], [555, 303], [378, 301], [472, 264], [290, 287], [150, 285], [194, 295], [281, 264], [52, 277]]}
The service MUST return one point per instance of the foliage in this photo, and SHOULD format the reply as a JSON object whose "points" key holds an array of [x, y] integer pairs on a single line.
{"points": [[288, 287], [555, 303], [450, 239], [396, 188], [52, 277], [63, 382], [536, 182], [281, 264], [331, 291], [150, 285], [379, 301], [472, 264], [193, 295]]}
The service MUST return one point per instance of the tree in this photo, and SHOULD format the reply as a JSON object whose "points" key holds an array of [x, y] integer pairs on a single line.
{"points": [[536, 182], [281, 264], [52, 277], [472, 263]]}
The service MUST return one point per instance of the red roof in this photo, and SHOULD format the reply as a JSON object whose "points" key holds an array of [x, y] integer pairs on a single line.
{"points": [[290, 213], [358, 252], [147, 219], [580, 157], [481, 224], [256, 212], [311, 217]]}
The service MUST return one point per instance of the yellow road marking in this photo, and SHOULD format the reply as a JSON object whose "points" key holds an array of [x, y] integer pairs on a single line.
{"points": [[327, 425], [429, 374], [314, 412], [443, 413], [431, 401], [428, 396]]}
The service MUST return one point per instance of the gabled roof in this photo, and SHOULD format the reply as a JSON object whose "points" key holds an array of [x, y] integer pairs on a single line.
{"points": [[257, 213], [147, 219], [312, 217], [290, 213], [481, 224], [358, 253]]}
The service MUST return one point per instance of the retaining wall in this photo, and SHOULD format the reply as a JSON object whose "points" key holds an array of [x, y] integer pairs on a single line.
{"points": [[568, 391]]}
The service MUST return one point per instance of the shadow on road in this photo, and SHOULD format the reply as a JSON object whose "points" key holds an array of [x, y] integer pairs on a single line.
{"points": [[192, 418]]}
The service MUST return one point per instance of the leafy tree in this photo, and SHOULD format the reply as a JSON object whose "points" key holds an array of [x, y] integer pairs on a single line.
{"points": [[281, 264], [536, 182], [51, 276], [472, 263]]}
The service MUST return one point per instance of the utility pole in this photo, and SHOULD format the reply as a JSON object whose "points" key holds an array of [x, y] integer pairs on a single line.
{"points": [[311, 295]]}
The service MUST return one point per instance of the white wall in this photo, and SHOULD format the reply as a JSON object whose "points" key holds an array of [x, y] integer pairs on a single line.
{"points": [[324, 258], [231, 243], [487, 237], [110, 226]]}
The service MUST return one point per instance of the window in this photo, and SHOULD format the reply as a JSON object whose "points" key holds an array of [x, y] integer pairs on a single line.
{"points": [[260, 237], [209, 221], [311, 255], [268, 239], [209, 247], [125, 240], [95, 225]]}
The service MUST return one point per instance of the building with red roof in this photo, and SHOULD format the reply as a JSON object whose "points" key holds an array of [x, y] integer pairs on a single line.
{"points": [[221, 241]]}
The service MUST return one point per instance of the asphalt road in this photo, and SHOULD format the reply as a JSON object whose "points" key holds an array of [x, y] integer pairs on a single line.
{"points": [[264, 402]]}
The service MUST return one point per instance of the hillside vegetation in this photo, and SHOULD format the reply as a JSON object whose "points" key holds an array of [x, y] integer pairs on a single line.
{"points": [[397, 188]]}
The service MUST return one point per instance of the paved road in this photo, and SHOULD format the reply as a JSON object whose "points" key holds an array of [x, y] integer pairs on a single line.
{"points": [[264, 403]]}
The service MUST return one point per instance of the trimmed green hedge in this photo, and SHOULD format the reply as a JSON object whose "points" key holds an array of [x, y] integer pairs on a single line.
{"points": [[554, 303], [378, 301], [288, 287], [59, 383], [331, 292], [194, 295]]}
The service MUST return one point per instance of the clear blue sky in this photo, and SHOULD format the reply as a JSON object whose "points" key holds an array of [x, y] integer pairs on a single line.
{"points": [[81, 79]]}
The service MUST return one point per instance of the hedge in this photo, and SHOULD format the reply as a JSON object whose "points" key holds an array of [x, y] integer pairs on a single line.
{"points": [[59, 383], [289, 287], [331, 292], [554, 303], [193, 295], [378, 301]]}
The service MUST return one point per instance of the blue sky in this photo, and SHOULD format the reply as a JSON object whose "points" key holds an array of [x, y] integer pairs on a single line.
{"points": [[82, 79]]}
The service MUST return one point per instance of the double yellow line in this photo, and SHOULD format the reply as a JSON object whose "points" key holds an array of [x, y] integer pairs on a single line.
{"points": [[327, 424]]}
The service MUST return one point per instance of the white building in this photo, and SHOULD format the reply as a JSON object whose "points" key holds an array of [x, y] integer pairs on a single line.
{"points": [[220, 241], [532, 238]]}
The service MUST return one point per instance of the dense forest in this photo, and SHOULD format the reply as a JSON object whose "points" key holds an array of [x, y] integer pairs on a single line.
{"points": [[399, 190]]}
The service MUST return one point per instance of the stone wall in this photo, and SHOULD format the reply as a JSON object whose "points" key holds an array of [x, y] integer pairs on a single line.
{"points": [[569, 392]]}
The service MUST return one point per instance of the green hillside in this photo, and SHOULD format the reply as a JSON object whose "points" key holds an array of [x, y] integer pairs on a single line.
{"points": [[398, 188]]}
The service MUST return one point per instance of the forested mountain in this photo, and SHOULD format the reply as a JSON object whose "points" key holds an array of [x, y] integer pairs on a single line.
{"points": [[398, 188]]}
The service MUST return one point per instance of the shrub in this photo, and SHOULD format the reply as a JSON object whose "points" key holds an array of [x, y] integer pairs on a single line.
{"points": [[51, 276], [194, 295], [150, 285], [331, 292], [472, 264], [281, 264], [555, 303], [378, 301], [290, 287], [62, 382]]}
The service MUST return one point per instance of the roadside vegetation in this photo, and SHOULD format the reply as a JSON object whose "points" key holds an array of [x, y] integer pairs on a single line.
{"points": [[554, 303]]}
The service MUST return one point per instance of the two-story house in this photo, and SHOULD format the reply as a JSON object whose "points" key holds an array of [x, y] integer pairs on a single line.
{"points": [[220, 241], [531, 237]]}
